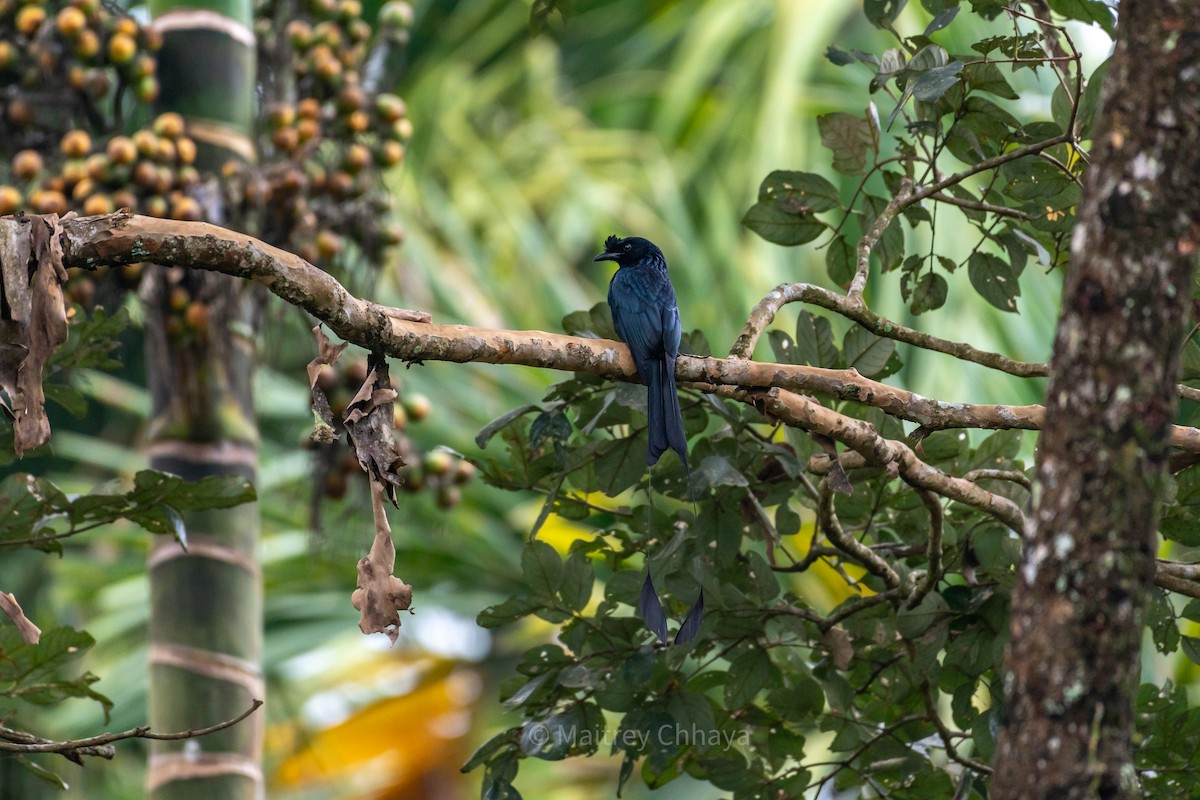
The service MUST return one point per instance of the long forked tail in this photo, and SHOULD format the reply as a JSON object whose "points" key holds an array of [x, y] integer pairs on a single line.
{"points": [[665, 421]]}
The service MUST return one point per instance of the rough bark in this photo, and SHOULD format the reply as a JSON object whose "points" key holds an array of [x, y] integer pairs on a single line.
{"points": [[1088, 561]]}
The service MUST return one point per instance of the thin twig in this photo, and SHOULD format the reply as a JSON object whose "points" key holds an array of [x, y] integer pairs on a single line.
{"points": [[141, 732], [975, 205], [933, 571], [832, 528], [1016, 476], [947, 735], [869, 239]]}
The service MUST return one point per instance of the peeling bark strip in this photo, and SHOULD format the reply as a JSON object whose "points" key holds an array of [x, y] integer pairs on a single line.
{"points": [[1089, 551], [33, 320]]}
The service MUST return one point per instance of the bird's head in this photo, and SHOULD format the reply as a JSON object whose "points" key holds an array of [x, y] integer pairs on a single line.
{"points": [[628, 251]]}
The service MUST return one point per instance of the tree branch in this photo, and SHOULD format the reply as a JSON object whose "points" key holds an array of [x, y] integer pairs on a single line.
{"points": [[121, 238], [21, 742], [764, 313]]}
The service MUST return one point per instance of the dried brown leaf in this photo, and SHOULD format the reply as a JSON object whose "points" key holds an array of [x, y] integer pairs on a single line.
{"points": [[380, 596], [327, 354], [370, 423], [841, 650]]}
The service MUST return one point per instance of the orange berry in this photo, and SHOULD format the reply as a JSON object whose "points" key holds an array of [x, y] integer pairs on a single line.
{"points": [[121, 150], [76, 144], [121, 48], [10, 199], [26, 164], [170, 125], [70, 21], [29, 19]]}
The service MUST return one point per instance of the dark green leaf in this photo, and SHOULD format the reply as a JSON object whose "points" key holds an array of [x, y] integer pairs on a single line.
{"points": [[754, 672], [1087, 11], [510, 610], [578, 576], [499, 423], [911, 623], [42, 773], [839, 261], [799, 192], [882, 13], [715, 472], [543, 568], [1089, 104], [941, 20], [866, 352], [995, 280], [68, 398], [814, 342], [1191, 648], [552, 425], [929, 293], [931, 84], [595, 323], [985, 76]]}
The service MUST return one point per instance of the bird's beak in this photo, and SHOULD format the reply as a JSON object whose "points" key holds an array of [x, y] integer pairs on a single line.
{"points": [[606, 257]]}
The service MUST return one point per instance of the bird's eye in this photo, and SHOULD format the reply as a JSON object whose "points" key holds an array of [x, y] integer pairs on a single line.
{"points": [[628, 247]]}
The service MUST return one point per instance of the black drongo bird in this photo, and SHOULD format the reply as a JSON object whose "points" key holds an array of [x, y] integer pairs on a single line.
{"points": [[646, 318]]}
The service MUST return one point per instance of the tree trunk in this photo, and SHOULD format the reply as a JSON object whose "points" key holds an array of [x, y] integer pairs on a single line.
{"points": [[206, 604], [1089, 548]]}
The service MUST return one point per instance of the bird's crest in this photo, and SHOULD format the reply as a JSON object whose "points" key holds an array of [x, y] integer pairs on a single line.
{"points": [[610, 244]]}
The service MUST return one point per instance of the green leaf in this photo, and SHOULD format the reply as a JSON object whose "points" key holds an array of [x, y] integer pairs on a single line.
{"points": [[929, 293], [780, 227], [814, 342], [941, 20], [839, 261], [578, 576], [985, 76], [1087, 11], [1191, 648], [91, 342], [851, 137], [543, 568], [595, 323], [754, 672], [931, 84], [510, 610], [500, 423], [783, 347], [787, 521], [488, 748], [786, 204], [882, 13], [1089, 104], [995, 280], [866, 352], [42, 773], [911, 623], [799, 192], [68, 398], [715, 472]]}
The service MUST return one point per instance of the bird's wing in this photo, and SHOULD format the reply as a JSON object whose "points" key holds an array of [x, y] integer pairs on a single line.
{"points": [[638, 320]]}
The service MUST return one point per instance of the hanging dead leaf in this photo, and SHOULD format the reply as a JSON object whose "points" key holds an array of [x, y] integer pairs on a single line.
{"points": [[370, 422], [327, 355], [34, 321], [380, 595]]}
